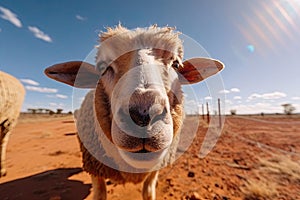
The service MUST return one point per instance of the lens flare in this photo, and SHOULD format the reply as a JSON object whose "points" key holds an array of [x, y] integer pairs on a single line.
{"points": [[250, 48], [272, 25]]}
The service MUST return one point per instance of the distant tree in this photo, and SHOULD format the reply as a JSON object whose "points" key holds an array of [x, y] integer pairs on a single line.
{"points": [[59, 111], [70, 113], [31, 110], [233, 111], [40, 110], [51, 112], [288, 108]]}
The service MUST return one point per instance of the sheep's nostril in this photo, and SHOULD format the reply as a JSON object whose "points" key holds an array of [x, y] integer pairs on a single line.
{"points": [[140, 118], [160, 116]]}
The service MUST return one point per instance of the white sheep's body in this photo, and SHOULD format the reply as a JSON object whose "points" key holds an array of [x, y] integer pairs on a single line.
{"points": [[11, 98], [129, 124]]}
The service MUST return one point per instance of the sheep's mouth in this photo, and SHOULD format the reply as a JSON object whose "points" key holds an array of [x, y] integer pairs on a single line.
{"points": [[142, 140], [142, 151], [143, 158]]}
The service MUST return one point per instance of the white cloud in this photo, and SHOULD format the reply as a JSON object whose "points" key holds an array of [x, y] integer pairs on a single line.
{"points": [[208, 98], [228, 91], [191, 102], [267, 96], [237, 97], [30, 82], [10, 16], [254, 96], [41, 89], [39, 34], [274, 95], [295, 98], [192, 106], [235, 90], [61, 96], [80, 18], [56, 105], [229, 102], [224, 91], [52, 104], [297, 106]]}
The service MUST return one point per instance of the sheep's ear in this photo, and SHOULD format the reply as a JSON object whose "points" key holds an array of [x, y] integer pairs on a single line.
{"points": [[75, 73], [197, 69]]}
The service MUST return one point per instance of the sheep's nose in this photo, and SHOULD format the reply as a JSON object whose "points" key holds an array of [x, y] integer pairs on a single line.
{"points": [[140, 116], [143, 117], [147, 108]]}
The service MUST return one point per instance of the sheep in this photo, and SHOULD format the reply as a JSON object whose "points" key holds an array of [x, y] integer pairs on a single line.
{"points": [[129, 123], [11, 98]]}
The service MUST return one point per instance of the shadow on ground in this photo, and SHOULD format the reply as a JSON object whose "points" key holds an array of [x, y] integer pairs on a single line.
{"points": [[52, 184]]}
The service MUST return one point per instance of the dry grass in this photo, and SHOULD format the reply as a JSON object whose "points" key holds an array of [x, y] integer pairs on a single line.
{"points": [[282, 166], [259, 190], [272, 173]]}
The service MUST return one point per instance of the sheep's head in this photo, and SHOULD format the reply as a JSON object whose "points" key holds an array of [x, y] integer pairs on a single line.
{"points": [[138, 97]]}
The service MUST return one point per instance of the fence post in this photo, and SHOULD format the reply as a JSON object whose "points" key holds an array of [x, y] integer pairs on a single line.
{"points": [[219, 108], [202, 111], [207, 109]]}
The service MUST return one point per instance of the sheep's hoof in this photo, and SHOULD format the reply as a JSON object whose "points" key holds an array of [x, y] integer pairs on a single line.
{"points": [[3, 173]]}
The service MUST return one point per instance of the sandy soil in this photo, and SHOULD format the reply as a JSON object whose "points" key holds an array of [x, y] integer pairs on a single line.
{"points": [[255, 158]]}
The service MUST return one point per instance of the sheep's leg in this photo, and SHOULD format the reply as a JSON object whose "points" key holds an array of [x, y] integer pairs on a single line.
{"points": [[4, 135], [3, 154], [150, 186], [99, 188]]}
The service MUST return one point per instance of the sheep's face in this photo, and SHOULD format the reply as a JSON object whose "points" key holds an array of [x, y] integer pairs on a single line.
{"points": [[138, 97], [145, 100]]}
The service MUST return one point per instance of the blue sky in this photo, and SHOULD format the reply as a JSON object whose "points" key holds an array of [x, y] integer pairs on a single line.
{"points": [[258, 41]]}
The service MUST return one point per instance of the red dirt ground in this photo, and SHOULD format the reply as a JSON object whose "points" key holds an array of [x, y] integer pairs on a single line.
{"points": [[255, 158]]}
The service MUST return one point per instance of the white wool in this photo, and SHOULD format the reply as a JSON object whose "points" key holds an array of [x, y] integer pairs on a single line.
{"points": [[11, 98]]}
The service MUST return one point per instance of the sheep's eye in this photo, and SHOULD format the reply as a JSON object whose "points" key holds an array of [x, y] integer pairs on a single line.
{"points": [[176, 64], [103, 68]]}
